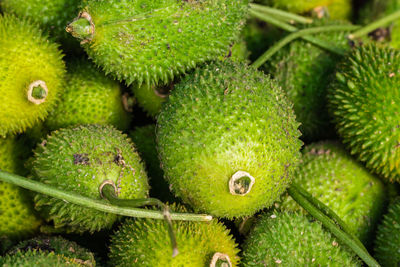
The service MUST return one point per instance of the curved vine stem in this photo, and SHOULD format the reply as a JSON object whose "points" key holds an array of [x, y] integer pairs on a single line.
{"points": [[290, 17], [290, 28], [301, 33], [375, 25], [107, 191], [318, 213], [328, 212], [93, 203]]}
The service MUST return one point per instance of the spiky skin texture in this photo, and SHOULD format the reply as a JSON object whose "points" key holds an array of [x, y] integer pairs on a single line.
{"points": [[37, 259], [146, 242], [221, 119], [145, 140], [154, 40], [303, 70], [89, 98], [18, 218], [387, 243], [51, 15], [330, 174], [290, 239], [364, 103], [48, 251], [79, 160], [151, 97], [26, 56], [67, 250]]}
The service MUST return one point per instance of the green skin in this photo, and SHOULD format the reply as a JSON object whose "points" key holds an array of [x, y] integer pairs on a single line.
{"points": [[145, 139], [18, 218], [330, 174], [79, 160], [387, 243], [290, 239], [26, 56], [90, 97], [153, 41], [364, 103], [222, 119], [66, 250], [52, 16], [145, 242], [335, 9], [303, 70], [151, 97]]}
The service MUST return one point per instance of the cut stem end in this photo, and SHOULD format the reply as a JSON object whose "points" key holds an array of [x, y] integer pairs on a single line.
{"points": [[37, 92], [82, 27], [241, 183], [220, 260]]}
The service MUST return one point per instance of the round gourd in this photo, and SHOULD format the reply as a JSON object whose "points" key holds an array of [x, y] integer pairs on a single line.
{"points": [[89, 97], [330, 174], [364, 102], [291, 239], [31, 75], [18, 218], [146, 242], [79, 160], [228, 140]]}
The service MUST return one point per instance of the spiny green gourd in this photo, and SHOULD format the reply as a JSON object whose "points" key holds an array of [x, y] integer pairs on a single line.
{"points": [[387, 243], [79, 160], [153, 41], [31, 75], [48, 251], [145, 242], [89, 97], [18, 218], [330, 174], [334, 9], [364, 103], [228, 140], [52, 16], [291, 239], [303, 70], [145, 140]]}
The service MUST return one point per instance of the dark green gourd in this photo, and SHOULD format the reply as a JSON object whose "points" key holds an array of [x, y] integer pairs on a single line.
{"points": [[154, 40], [79, 160]]}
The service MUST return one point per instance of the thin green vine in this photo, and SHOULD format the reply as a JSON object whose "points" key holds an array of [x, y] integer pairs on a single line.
{"points": [[93, 203], [284, 15], [287, 27], [349, 240], [107, 191], [301, 33], [375, 25]]}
